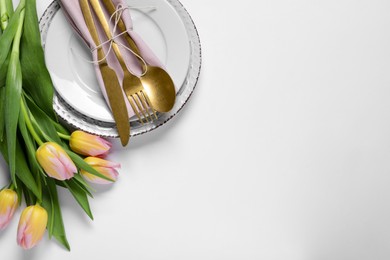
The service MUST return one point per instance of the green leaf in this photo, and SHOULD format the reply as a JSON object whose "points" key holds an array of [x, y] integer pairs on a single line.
{"points": [[3, 77], [29, 197], [13, 91], [48, 204], [60, 183], [22, 170], [19, 190], [10, 7], [55, 223], [6, 12], [30, 146], [82, 184], [9, 33], [24, 174], [36, 78], [80, 163], [2, 113], [43, 120], [80, 195], [60, 128], [3, 71]]}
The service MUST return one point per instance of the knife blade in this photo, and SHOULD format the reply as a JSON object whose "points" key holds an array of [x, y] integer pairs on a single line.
{"points": [[110, 80]]}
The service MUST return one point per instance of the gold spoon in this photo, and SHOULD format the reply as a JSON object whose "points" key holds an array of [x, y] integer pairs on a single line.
{"points": [[157, 83]]}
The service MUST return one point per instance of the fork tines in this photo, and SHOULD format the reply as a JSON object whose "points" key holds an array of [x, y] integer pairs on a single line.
{"points": [[142, 106]]}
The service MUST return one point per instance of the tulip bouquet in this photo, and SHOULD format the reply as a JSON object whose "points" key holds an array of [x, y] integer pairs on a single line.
{"points": [[41, 154]]}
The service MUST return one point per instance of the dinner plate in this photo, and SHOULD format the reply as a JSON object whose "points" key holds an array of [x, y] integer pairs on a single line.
{"points": [[164, 25]]}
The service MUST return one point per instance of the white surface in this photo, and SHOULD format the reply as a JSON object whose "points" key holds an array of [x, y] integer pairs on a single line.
{"points": [[299, 170], [74, 78]]}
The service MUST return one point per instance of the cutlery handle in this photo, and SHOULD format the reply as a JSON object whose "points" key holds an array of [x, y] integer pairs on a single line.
{"points": [[110, 80], [91, 27], [122, 27], [106, 28]]}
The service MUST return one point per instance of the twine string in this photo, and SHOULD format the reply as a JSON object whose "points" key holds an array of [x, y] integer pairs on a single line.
{"points": [[117, 16]]}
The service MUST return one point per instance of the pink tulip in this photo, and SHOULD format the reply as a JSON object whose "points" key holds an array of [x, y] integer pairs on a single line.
{"points": [[8, 205], [32, 226], [55, 161], [104, 167], [89, 145]]}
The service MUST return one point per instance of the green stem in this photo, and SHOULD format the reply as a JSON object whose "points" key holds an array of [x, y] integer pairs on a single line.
{"points": [[1, 28], [4, 16], [45, 136], [9, 7], [39, 199], [29, 123], [63, 136], [16, 43]]}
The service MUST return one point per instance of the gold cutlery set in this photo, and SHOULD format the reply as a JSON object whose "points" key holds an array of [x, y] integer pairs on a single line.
{"points": [[151, 92]]}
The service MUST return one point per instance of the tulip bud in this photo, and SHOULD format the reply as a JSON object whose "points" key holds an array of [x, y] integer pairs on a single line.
{"points": [[104, 167], [8, 205], [55, 161], [90, 145], [32, 226]]}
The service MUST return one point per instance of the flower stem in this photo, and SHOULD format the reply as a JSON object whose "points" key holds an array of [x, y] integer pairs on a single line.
{"points": [[16, 42], [4, 16], [10, 8], [45, 136], [63, 136], [29, 124], [39, 184]]}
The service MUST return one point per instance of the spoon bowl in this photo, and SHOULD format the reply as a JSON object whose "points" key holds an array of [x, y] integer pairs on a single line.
{"points": [[160, 88]]}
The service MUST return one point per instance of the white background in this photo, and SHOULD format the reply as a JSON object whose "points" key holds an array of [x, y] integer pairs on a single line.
{"points": [[283, 151]]}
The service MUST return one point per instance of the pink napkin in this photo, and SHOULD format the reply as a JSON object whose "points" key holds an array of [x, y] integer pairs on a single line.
{"points": [[75, 17]]}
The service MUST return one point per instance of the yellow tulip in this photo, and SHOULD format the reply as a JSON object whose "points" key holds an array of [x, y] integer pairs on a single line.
{"points": [[89, 145], [32, 226], [104, 167], [8, 205], [55, 161]]}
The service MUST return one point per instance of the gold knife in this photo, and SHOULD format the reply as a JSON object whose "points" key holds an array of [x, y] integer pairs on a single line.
{"points": [[110, 80]]}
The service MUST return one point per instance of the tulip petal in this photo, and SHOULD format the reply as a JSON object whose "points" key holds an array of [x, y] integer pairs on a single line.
{"points": [[89, 145], [94, 161], [32, 226], [55, 161], [110, 173], [105, 167], [8, 206]]}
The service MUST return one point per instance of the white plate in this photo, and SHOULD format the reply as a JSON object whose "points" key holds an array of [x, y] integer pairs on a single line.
{"points": [[167, 29]]}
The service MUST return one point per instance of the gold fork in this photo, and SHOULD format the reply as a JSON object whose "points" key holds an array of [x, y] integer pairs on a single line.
{"points": [[132, 85]]}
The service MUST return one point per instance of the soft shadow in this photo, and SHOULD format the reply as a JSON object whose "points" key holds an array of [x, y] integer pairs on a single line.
{"points": [[161, 132], [67, 201], [6, 231], [149, 138], [101, 188], [5, 178], [28, 254]]}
